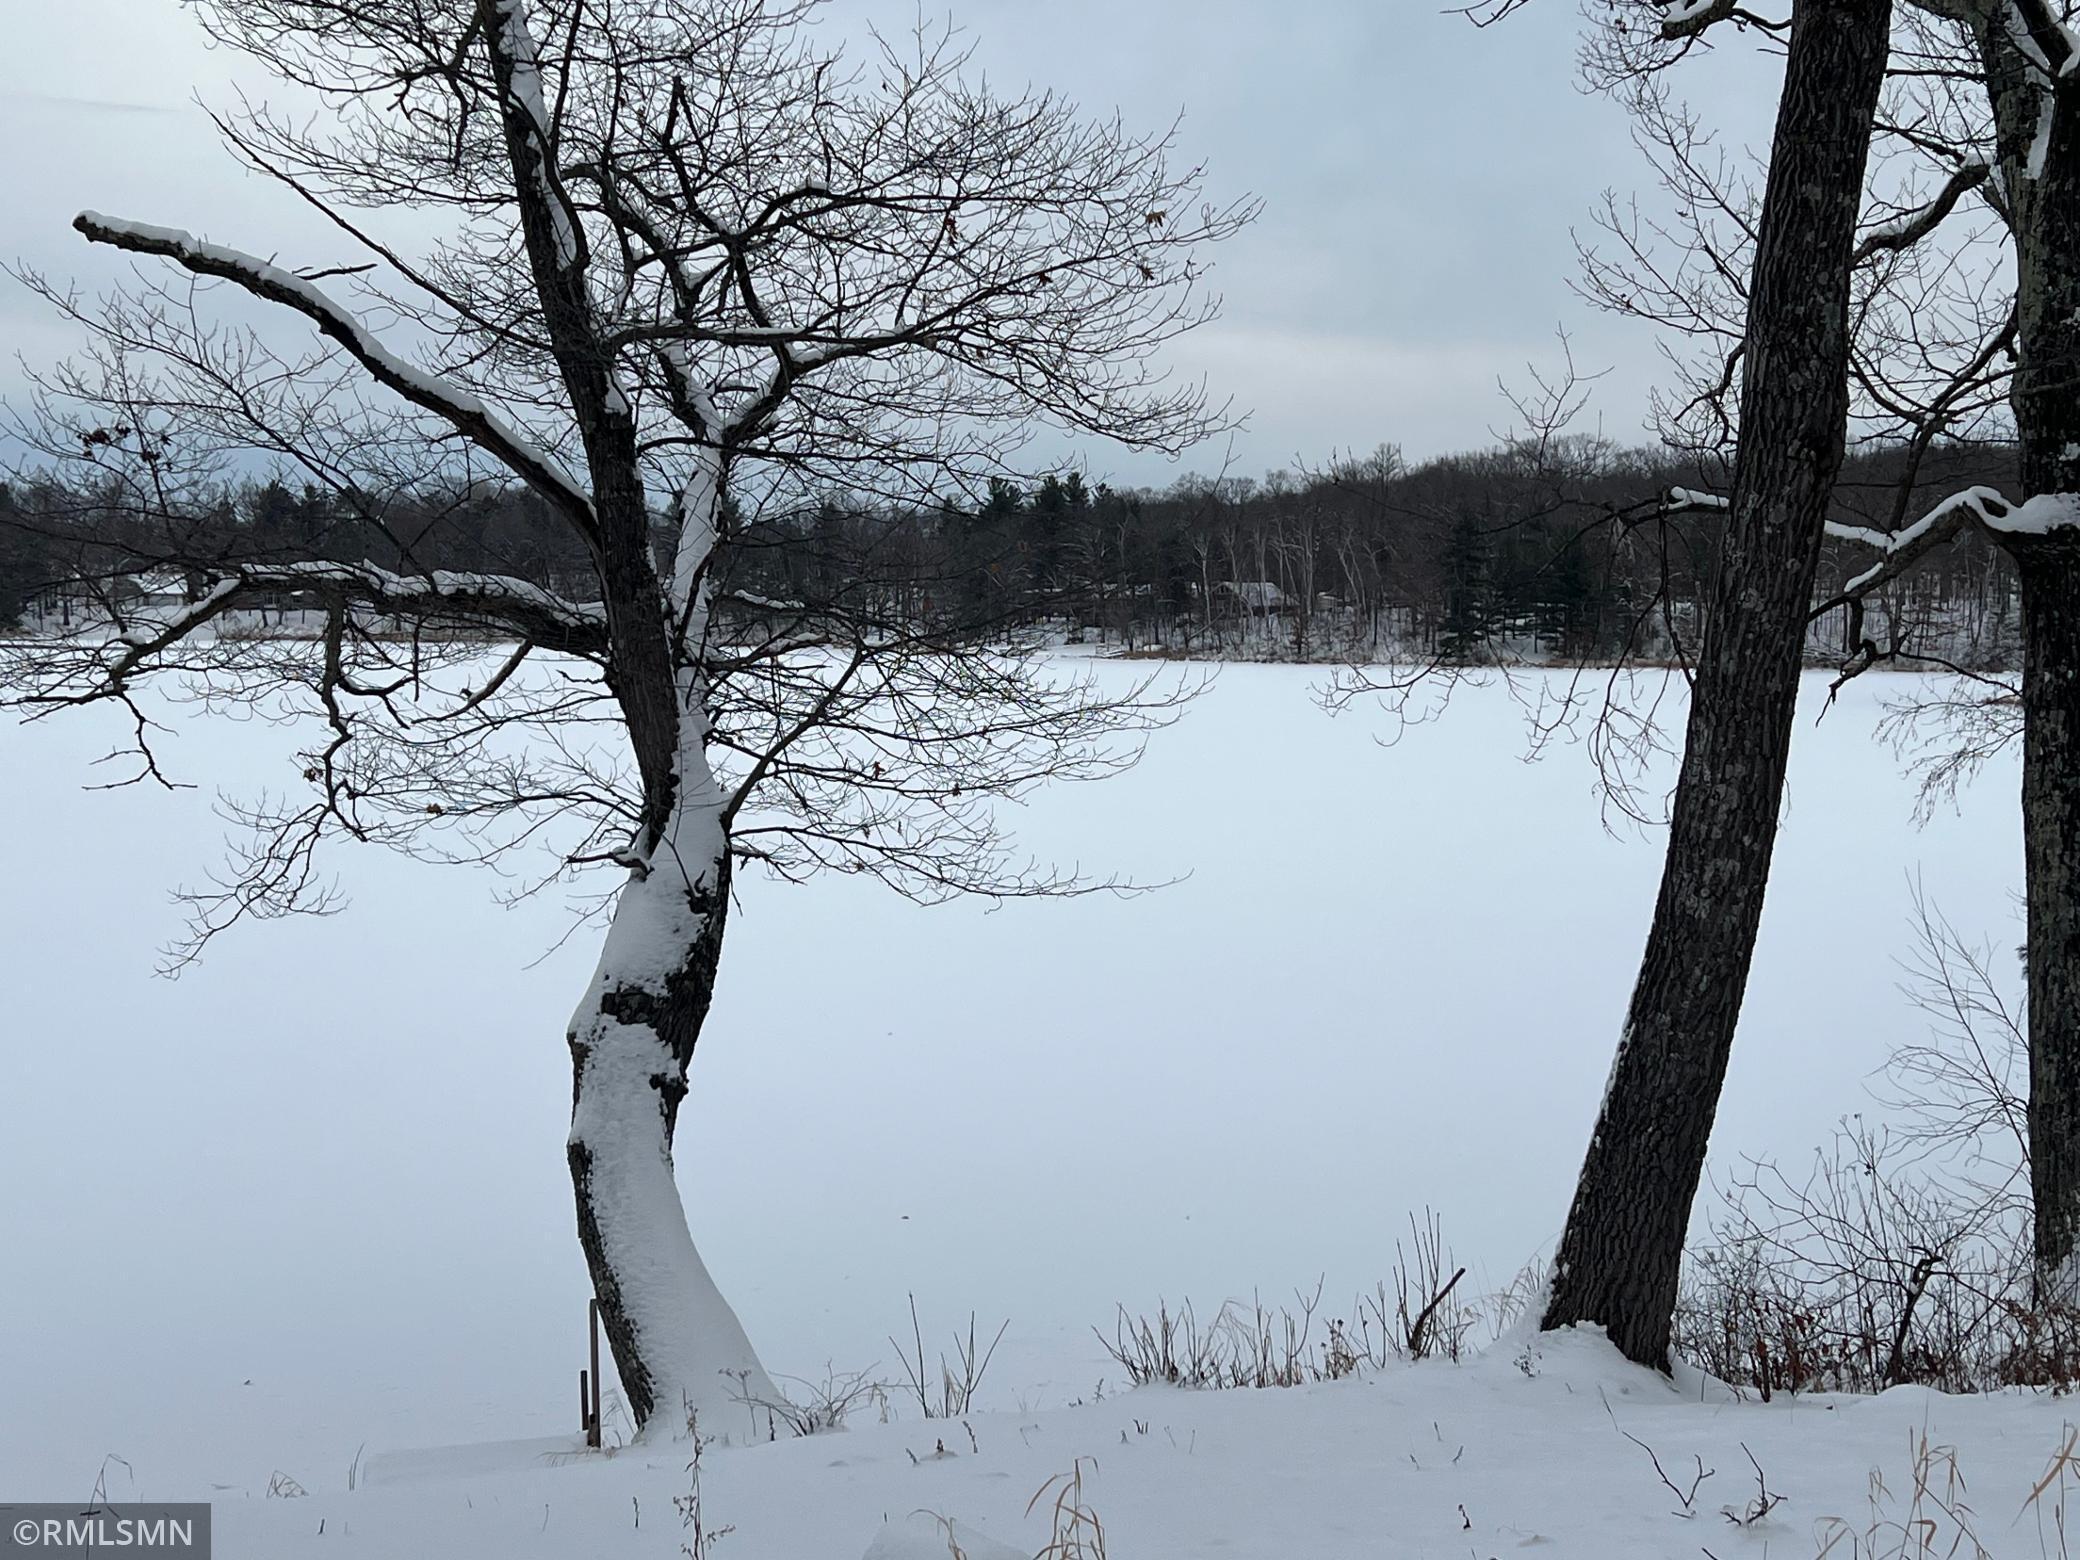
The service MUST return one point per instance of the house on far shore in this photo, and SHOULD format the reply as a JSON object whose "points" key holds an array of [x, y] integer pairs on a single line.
{"points": [[88, 599], [1250, 598], [165, 590]]}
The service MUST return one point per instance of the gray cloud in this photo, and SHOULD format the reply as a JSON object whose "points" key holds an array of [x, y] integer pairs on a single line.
{"points": [[1421, 178]]}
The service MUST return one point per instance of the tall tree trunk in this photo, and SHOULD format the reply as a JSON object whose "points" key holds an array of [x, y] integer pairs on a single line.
{"points": [[2049, 567], [1621, 1254], [2040, 160]]}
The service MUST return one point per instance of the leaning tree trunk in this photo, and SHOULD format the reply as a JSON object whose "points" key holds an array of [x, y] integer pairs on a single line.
{"points": [[1620, 1256], [678, 1347], [677, 1344], [2044, 181]]}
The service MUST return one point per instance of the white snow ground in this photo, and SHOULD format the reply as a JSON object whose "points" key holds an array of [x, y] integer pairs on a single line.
{"points": [[310, 1198], [1521, 1451]]}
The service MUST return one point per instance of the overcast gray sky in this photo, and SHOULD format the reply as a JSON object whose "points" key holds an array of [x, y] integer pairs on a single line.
{"points": [[1420, 180]]}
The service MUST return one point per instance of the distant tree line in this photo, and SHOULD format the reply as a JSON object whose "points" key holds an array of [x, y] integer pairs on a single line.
{"points": [[1562, 549]]}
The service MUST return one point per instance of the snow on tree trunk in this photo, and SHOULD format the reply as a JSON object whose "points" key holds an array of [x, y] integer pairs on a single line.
{"points": [[1621, 1254], [676, 1342]]}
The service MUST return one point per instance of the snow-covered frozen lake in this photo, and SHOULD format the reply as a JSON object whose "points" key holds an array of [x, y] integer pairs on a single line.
{"points": [[312, 1195]]}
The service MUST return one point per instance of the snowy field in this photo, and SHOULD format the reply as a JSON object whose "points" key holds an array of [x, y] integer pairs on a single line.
{"points": [[311, 1198]]}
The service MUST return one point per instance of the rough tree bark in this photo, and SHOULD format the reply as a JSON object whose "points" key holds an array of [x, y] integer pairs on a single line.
{"points": [[2023, 54], [1620, 1255], [2027, 59], [2049, 569]]}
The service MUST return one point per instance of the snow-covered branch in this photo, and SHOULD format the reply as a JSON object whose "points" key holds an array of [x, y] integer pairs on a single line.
{"points": [[466, 412], [1688, 18], [1911, 227], [1681, 501], [1901, 550], [2045, 40], [518, 607], [509, 608], [512, 44]]}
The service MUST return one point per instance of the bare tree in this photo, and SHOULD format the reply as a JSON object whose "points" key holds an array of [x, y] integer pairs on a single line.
{"points": [[2027, 53], [695, 270], [1963, 314], [1995, 100]]}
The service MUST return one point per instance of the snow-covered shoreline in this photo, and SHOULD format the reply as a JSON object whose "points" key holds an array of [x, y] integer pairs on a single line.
{"points": [[1542, 1444]]}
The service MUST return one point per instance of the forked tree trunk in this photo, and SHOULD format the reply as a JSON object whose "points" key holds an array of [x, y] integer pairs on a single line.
{"points": [[677, 1345], [1620, 1257]]}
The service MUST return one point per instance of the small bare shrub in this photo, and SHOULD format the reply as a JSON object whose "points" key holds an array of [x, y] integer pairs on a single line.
{"points": [[1865, 1274], [2047, 1497], [1433, 1320], [1903, 1255], [1522, 1295], [1685, 1493], [697, 1540], [959, 1379], [816, 1407], [1931, 1521], [1756, 1506], [1077, 1532], [1421, 1314], [1248, 1345]]}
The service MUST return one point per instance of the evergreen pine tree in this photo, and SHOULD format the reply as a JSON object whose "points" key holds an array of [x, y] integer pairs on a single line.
{"points": [[1468, 593], [20, 567]]}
